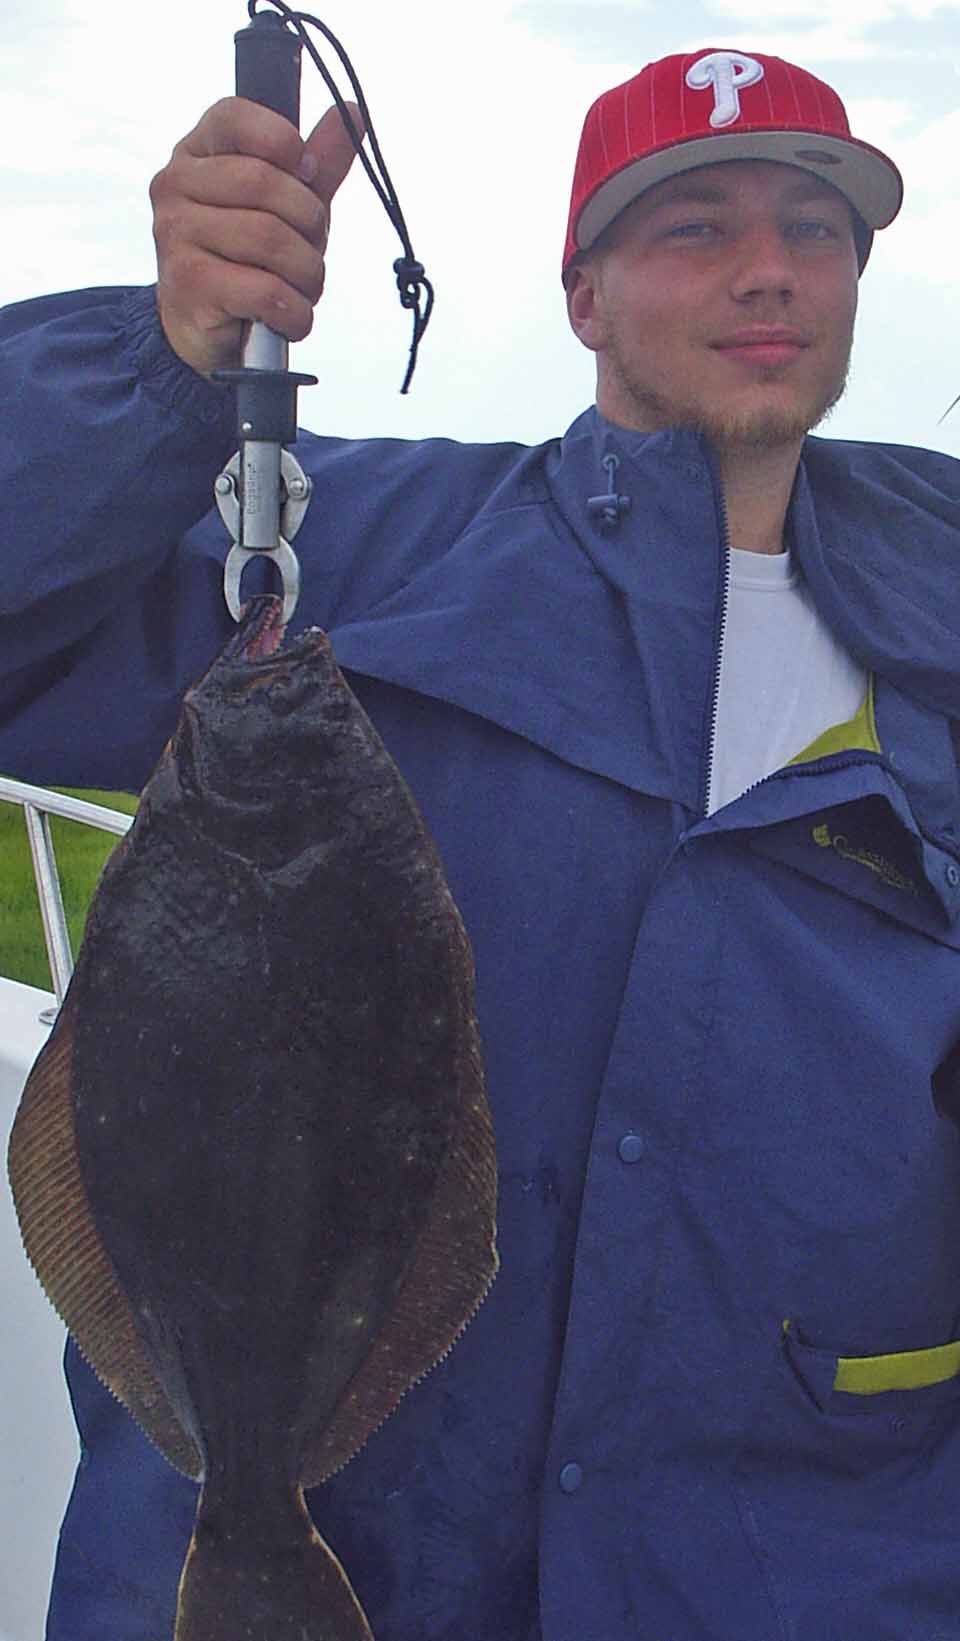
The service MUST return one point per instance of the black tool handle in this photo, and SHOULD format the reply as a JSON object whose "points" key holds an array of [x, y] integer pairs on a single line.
{"points": [[268, 65]]}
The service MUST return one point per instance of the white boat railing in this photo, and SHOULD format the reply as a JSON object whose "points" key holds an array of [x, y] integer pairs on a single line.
{"points": [[38, 1439], [38, 804]]}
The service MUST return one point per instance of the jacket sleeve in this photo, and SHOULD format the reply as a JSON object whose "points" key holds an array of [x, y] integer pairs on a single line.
{"points": [[108, 454], [111, 588]]}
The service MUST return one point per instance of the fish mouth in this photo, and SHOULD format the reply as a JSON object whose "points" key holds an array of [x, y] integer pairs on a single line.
{"points": [[255, 660], [260, 630]]}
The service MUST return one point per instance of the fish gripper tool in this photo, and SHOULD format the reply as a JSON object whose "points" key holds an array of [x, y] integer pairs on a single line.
{"points": [[263, 491]]}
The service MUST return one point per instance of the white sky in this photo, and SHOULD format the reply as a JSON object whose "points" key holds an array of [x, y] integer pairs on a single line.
{"points": [[478, 109]]}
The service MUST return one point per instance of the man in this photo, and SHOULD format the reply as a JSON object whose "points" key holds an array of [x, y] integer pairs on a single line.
{"points": [[678, 695]]}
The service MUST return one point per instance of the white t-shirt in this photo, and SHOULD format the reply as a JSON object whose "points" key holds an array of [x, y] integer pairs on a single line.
{"points": [[784, 678]]}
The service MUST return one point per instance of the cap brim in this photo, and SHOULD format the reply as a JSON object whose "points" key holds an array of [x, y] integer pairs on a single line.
{"points": [[870, 181]]}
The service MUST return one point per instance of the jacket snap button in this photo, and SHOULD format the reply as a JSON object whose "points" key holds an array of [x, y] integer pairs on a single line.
{"points": [[953, 876], [570, 1478], [630, 1148]]}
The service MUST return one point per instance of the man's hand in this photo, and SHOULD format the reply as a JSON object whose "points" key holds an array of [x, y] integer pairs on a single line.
{"points": [[241, 216]]}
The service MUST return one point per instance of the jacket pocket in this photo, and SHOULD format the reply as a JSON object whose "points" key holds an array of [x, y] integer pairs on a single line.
{"points": [[910, 1380], [846, 1486]]}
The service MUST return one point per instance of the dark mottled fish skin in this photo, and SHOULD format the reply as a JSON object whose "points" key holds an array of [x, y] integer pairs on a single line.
{"points": [[254, 1165]]}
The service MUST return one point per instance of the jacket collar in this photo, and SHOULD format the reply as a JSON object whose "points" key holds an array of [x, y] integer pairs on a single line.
{"points": [[597, 639], [877, 535]]}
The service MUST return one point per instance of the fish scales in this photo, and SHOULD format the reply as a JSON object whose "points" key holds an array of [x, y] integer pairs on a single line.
{"points": [[254, 1166]]}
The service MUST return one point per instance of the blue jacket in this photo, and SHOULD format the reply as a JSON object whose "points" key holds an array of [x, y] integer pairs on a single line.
{"points": [[714, 1394]]}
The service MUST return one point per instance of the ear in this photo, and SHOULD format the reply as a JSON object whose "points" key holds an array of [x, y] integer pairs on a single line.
{"points": [[585, 307]]}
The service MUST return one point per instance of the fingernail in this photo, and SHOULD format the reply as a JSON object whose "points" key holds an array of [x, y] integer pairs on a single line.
{"points": [[308, 167]]}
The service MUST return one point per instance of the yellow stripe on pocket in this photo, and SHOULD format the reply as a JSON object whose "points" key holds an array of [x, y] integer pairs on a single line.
{"points": [[906, 1370]]}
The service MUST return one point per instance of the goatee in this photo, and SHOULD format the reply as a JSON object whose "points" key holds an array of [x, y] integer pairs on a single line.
{"points": [[765, 427]]}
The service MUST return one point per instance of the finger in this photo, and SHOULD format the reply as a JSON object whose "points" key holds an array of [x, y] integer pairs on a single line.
{"points": [[253, 239], [238, 182], [223, 293], [236, 126], [330, 147]]}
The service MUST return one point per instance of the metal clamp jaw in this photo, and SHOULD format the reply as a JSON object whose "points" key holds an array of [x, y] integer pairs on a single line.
{"points": [[296, 491]]}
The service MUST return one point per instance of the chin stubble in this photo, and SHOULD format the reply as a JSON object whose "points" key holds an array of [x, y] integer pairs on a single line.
{"points": [[764, 429]]}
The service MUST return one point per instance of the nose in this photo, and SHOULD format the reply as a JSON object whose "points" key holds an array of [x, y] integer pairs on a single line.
{"points": [[763, 265]]}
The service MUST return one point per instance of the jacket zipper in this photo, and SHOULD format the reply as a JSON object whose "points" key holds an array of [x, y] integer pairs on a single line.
{"points": [[720, 633]]}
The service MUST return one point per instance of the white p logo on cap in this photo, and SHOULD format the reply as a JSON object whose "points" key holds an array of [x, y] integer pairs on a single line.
{"points": [[726, 72]]}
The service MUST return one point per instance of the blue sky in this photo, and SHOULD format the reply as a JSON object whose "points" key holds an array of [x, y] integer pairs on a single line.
{"points": [[479, 112]]}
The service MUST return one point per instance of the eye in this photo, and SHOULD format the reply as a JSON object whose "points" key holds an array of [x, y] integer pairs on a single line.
{"points": [[692, 230], [813, 230]]}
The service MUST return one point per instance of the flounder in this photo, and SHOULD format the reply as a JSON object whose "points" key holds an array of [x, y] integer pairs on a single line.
{"points": [[254, 1164]]}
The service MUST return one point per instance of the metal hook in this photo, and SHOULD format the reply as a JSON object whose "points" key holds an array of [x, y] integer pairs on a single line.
{"points": [[288, 567]]}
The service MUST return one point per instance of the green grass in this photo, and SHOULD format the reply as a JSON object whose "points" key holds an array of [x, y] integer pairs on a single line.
{"points": [[81, 852]]}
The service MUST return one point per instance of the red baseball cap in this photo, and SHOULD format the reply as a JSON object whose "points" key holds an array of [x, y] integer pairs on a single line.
{"points": [[712, 105]]}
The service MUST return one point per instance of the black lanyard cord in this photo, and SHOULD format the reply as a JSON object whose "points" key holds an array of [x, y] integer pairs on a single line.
{"points": [[412, 283]]}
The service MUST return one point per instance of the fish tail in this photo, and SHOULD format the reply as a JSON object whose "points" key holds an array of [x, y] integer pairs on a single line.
{"points": [[244, 1581]]}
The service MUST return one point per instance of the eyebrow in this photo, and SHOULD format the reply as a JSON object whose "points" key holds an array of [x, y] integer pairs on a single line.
{"points": [[704, 193]]}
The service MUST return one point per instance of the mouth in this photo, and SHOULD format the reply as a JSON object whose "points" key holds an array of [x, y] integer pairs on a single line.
{"points": [[763, 347], [260, 630]]}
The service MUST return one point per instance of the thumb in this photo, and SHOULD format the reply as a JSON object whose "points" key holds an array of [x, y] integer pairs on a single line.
{"points": [[328, 152]]}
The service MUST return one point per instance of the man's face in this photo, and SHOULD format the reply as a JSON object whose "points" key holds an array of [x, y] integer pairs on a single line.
{"points": [[724, 300]]}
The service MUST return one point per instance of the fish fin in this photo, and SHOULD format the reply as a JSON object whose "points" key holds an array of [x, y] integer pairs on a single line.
{"points": [[242, 1580], [63, 1245], [451, 1269]]}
